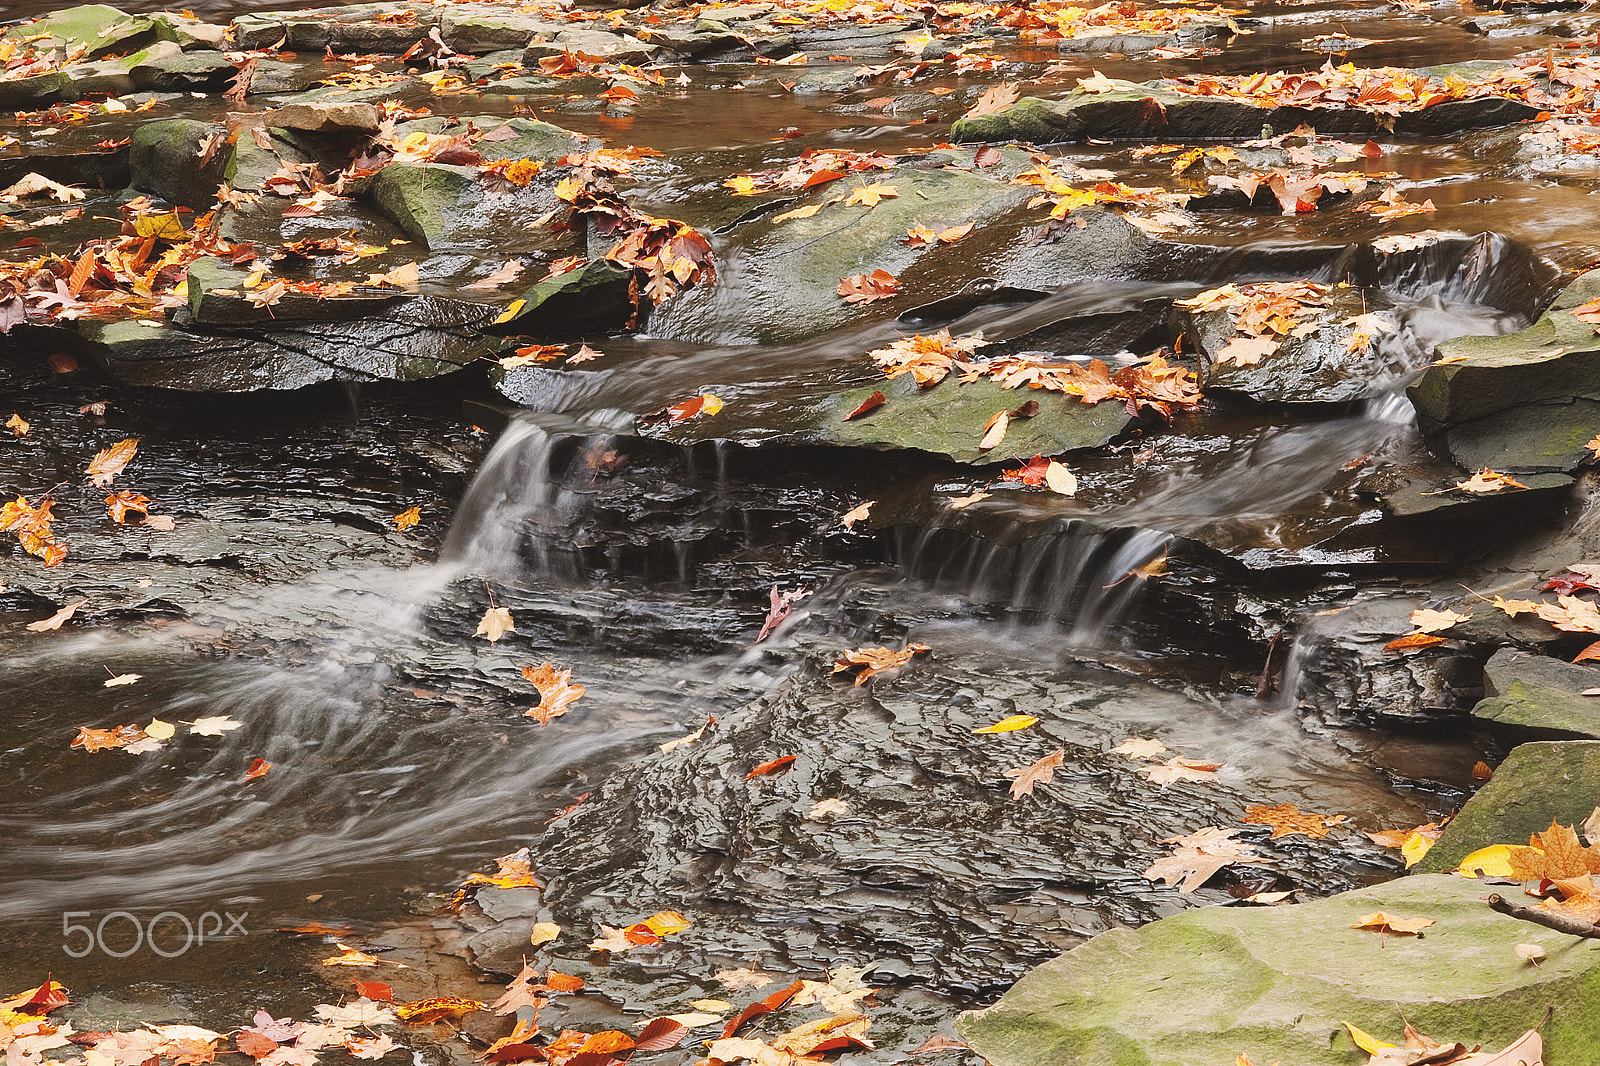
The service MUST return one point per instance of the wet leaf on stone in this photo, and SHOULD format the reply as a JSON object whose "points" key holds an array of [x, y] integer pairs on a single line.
{"points": [[994, 100], [55, 621], [1385, 923], [874, 661], [1035, 773], [407, 518], [557, 694], [1286, 819], [1436, 621], [107, 464], [1198, 856], [770, 767], [868, 288], [1009, 725], [495, 623], [1178, 769], [856, 514]]}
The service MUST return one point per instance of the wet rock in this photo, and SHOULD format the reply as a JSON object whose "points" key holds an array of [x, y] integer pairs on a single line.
{"points": [[1538, 783], [476, 31], [324, 117], [184, 72], [798, 263], [1321, 361], [1539, 697], [1136, 110], [1525, 401], [948, 419], [601, 44], [189, 33], [276, 76], [1214, 984], [428, 201], [592, 299], [34, 92], [1103, 40], [97, 28], [164, 160], [415, 338]]}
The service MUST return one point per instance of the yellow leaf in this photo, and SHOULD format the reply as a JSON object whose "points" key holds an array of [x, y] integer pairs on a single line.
{"points": [[543, 933], [1007, 725], [159, 730], [1493, 861], [799, 212], [166, 227], [711, 405], [495, 623], [1415, 847], [510, 312], [742, 185], [1365, 1041]]}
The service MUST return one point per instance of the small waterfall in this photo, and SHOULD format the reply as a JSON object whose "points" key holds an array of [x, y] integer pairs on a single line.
{"points": [[521, 508], [1080, 580]]}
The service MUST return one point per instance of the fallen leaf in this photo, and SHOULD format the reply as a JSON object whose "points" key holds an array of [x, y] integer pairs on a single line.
{"points": [[827, 808], [259, 768], [872, 195], [544, 933], [407, 518], [160, 730], [856, 514], [18, 425], [120, 680], [495, 623], [1386, 924], [740, 980], [1135, 748], [877, 660], [1413, 640], [770, 767], [1176, 769], [107, 464], [994, 100], [867, 288], [1008, 725], [1038, 772], [1488, 481], [436, 1008], [1198, 856], [1529, 952], [1059, 479], [871, 403], [213, 726], [1286, 819], [557, 694], [45, 625]]}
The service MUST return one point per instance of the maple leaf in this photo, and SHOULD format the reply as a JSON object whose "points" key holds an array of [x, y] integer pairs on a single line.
{"points": [[1514, 607], [557, 694], [1398, 926], [372, 1048], [122, 679], [495, 623], [994, 100], [1178, 769], [1039, 772], [1571, 614], [877, 660], [856, 514], [107, 464], [118, 504], [352, 1015], [827, 808], [1198, 856], [1135, 748], [407, 518], [1488, 481], [267, 295], [872, 195], [1244, 350], [103, 739], [1286, 819], [1427, 621], [18, 425], [866, 288]]}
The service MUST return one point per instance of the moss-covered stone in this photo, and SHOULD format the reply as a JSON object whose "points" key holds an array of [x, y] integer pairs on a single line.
{"points": [[1537, 784], [164, 160], [1538, 696], [1528, 400], [96, 28], [1204, 987], [592, 299]]}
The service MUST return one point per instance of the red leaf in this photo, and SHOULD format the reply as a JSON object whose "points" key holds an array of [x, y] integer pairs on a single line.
{"points": [[987, 156], [770, 767], [871, 403], [1591, 652], [762, 1006], [822, 177], [258, 768], [376, 991], [661, 1034], [252, 1043]]}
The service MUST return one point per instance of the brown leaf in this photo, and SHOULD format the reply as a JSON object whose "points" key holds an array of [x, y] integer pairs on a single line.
{"points": [[258, 768], [1198, 856], [495, 623], [877, 660], [866, 288], [994, 100], [45, 625], [557, 694], [1288, 820], [1034, 773], [987, 156]]}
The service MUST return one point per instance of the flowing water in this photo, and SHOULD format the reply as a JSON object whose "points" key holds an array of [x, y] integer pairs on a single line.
{"points": [[402, 759]]}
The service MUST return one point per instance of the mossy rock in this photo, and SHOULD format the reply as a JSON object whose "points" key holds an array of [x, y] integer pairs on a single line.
{"points": [[1538, 696], [164, 160], [1538, 783], [1208, 985]]}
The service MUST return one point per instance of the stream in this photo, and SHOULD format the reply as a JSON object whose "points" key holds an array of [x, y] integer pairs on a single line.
{"points": [[287, 602]]}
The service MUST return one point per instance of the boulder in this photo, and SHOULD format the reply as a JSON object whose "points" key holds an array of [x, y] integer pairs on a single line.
{"points": [[1277, 983], [185, 72], [164, 160], [98, 29], [1538, 696], [324, 117], [594, 298], [1524, 401], [1538, 783], [601, 44], [477, 31]]}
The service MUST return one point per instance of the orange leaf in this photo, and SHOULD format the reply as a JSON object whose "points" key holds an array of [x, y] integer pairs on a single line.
{"points": [[556, 692], [770, 767], [376, 991], [1413, 640], [871, 403], [258, 768], [994, 100], [1038, 772], [107, 464]]}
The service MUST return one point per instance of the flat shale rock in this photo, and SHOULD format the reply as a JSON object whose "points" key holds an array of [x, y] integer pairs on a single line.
{"points": [[1525, 401], [1277, 984], [1538, 696]]}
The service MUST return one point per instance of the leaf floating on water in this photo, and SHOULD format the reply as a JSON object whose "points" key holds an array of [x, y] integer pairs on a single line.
{"points": [[1286, 819], [45, 625], [1035, 773], [349, 956], [856, 514], [681, 412], [770, 767], [877, 660], [1176, 769], [407, 518], [557, 694], [1413, 640], [1198, 856], [495, 623], [1008, 725], [782, 603], [258, 768], [160, 730], [122, 679], [1059, 479], [105, 739], [213, 726], [961, 503], [1135, 748]]}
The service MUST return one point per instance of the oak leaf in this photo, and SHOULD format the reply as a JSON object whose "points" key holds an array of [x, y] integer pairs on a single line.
{"points": [[557, 694], [994, 100], [1286, 819], [1039, 772], [1178, 769], [1198, 856], [877, 660], [867, 288]]}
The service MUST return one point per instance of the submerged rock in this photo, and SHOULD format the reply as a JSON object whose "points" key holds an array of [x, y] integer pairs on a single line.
{"points": [[1538, 783], [1278, 984]]}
